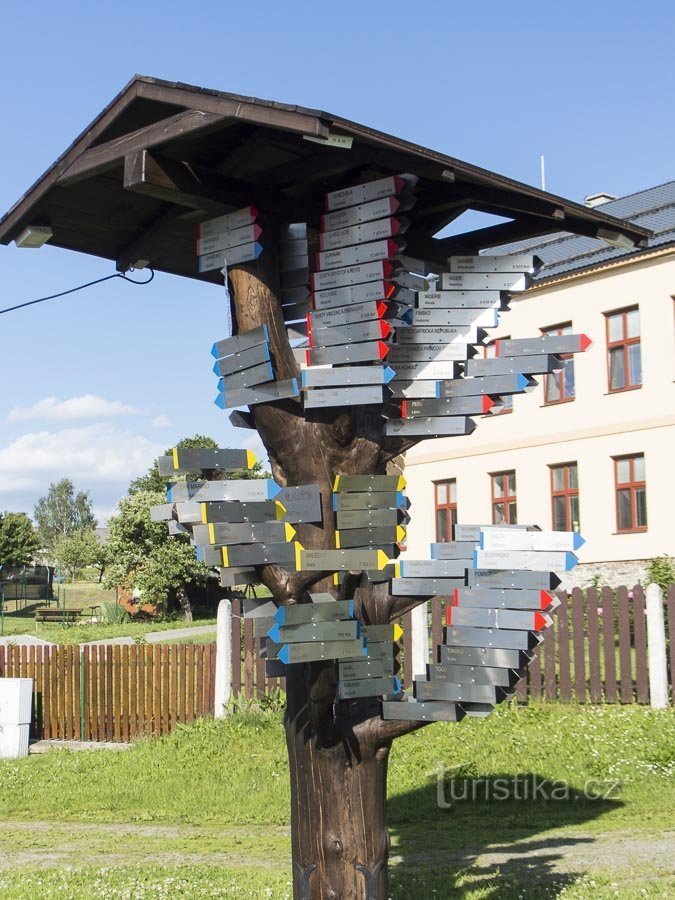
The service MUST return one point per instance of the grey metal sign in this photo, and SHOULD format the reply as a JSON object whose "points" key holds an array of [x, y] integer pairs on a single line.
{"points": [[373, 330], [221, 533], [334, 560], [263, 393], [425, 587], [432, 568], [302, 503], [162, 512], [237, 219], [299, 653], [370, 190], [495, 385], [233, 256], [343, 376], [505, 599], [364, 212], [369, 668], [224, 240], [525, 559], [430, 426], [522, 620], [240, 342], [485, 281], [360, 395], [484, 656], [367, 352], [302, 613], [512, 578], [241, 419], [420, 353], [359, 253], [472, 675], [370, 537], [347, 315], [441, 690], [368, 687], [382, 270], [351, 294], [370, 500], [376, 483], [453, 550], [243, 359], [247, 378], [375, 634], [236, 511], [360, 234], [459, 300], [543, 541], [510, 365], [481, 318], [379, 651], [236, 577], [517, 263], [434, 370], [188, 512], [186, 460], [490, 637], [247, 490], [450, 406], [306, 632], [282, 554], [368, 518], [410, 711], [546, 343], [438, 334], [415, 389]]}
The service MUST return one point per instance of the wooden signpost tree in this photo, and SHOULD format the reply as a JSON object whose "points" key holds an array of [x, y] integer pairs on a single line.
{"points": [[162, 158]]}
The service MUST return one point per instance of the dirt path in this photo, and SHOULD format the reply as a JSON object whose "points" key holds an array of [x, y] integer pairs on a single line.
{"points": [[55, 844]]}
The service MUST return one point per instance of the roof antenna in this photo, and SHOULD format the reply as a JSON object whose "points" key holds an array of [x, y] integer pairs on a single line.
{"points": [[543, 172]]}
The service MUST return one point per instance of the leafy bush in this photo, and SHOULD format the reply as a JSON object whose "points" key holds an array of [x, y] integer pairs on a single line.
{"points": [[112, 614], [661, 571]]}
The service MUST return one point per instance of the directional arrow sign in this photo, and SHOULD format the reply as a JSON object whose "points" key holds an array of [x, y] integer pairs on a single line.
{"points": [[505, 599], [372, 190], [432, 568], [302, 503], [236, 577], [188, 512], [345, 376], [438, 334], [472, 532], [282, 554], [233, 511], [441, 690], [234, 256], [162, 512], [378, 652], [184, 460], [362, 395], [263, 393], [243, 359], [353, 294], [335, 560], [261, 626], [376, 634], [224, 240], [510, 365], [410, 711], [546, 343], [425, 587], [473, 675], [360, 234], [300, 653], [349, 334], [513, 262], [520, 619], [256, 608], [370, 500], [370, 518], [367, 352], [368, 687], [524, 559], [469, 406], [490, 637], [348, 315], [361, 253], [418, 353], [243, 341], [369, 668], [344, 483], [459, 300], [483, 318], [485, 281], [430, 371], [512, 578], [484, 656], [498, 539], [382, 270], [253, 489], [495, 385], [366, 212], [221, 533], [415, 389], [302, 613], [369, 537], [176, 527], [314, 631], [237, 219], [453, 550], [246, 378], [436, 426]]}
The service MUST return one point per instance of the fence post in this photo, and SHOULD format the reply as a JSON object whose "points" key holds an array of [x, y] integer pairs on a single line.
{"points": [[223, 686], [656, 648], [419, 640]]}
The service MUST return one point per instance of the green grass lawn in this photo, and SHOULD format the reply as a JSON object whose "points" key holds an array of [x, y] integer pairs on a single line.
{"points": [[204, 812]]}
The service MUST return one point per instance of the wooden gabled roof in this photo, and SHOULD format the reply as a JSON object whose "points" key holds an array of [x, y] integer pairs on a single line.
{"points": [[163, 156]]}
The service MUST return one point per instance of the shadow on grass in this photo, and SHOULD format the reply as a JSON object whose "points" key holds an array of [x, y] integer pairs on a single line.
{"points": [[462, 835]]}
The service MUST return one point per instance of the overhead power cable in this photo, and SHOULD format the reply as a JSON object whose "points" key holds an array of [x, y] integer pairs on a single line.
{"points": [[80, 287]]}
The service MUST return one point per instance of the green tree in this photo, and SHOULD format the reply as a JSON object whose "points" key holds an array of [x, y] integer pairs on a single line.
{"points": [[62, 512], [101, 557], [153, 481], [18, 540], [73, 552]]}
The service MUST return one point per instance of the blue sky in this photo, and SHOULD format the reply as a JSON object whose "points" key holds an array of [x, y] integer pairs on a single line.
{"points": [[93, 386]]}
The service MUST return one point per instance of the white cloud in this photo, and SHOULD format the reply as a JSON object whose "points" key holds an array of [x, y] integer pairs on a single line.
{"points": [[91, 455], [160, 421], [88, 406]]}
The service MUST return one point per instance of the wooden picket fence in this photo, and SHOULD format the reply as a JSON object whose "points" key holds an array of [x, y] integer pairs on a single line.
{"points": [[114, 693]]}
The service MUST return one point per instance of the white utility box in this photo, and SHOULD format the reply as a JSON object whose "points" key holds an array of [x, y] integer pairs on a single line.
{"points": [[16, 698]]}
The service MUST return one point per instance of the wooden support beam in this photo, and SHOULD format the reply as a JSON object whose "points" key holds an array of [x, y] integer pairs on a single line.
{"points": [[109, 154], [141, 247]]}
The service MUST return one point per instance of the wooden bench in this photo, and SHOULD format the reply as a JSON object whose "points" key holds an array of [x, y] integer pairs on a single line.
{"points": [[54, 614]]}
